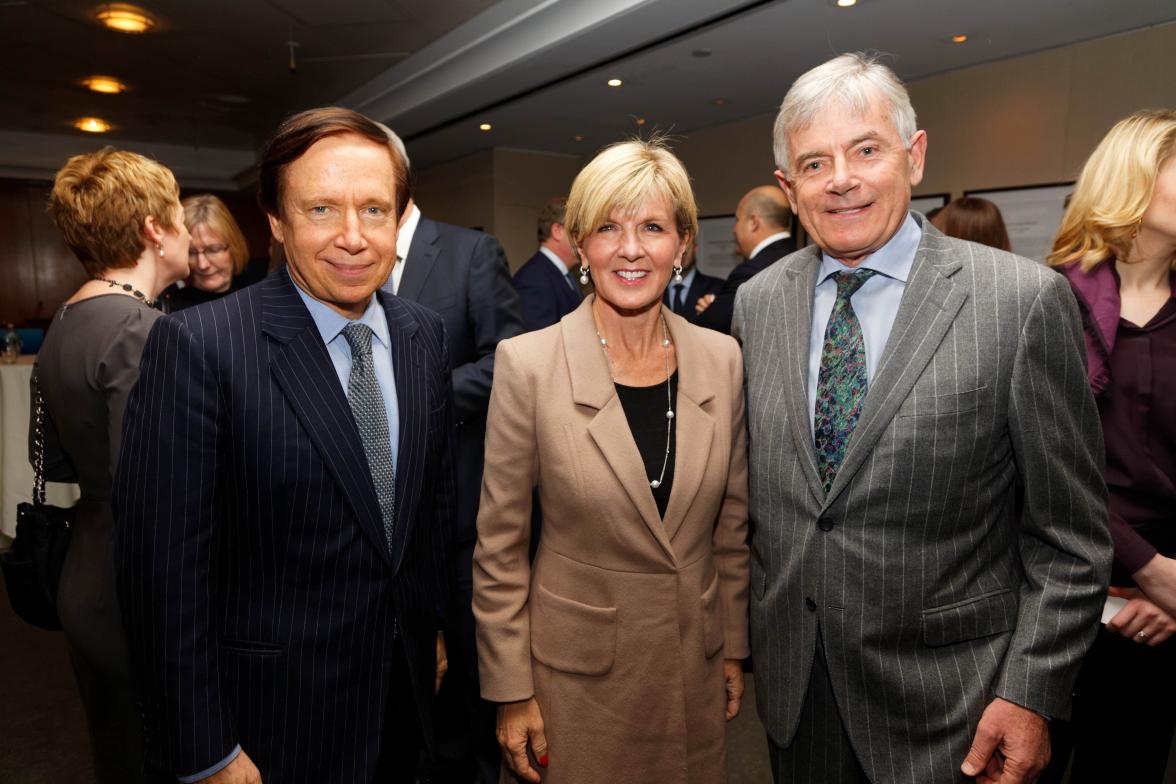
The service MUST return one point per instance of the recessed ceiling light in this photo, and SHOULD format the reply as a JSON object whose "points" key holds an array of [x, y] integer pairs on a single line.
{"points": [[615, 82], [959, 38], [485, 127], [92, 125], [579, 137], [105, 84], [846, 3], [639, 120], [125, 18]]}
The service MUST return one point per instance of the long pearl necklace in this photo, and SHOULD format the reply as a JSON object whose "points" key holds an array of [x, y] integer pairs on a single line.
{"points": [[654, 483]]}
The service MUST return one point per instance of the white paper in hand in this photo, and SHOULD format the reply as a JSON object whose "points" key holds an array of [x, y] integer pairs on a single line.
{"points": [[1112, 607]]}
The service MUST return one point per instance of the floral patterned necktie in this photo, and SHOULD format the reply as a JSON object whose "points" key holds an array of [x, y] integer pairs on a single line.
{"points": [[841, 383]]}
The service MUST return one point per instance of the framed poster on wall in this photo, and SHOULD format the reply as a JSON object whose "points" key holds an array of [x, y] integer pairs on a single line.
{"points": [[1032, 214], [717, 254], [931, 201]]}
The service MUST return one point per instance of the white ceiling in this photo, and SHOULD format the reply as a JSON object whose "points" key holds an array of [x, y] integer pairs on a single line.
{"points": [[215, 79]]}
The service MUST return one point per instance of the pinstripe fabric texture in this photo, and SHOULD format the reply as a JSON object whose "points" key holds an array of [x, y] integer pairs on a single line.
{"points": [[962, 551], [259, 592]]}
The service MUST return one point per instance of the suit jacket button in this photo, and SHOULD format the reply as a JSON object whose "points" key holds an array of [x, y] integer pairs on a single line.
{"points": [[824, 523], [810, 604]]}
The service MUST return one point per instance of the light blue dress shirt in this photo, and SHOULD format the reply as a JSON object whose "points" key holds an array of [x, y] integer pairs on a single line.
{"points": [[330, 325], [875, 303]]}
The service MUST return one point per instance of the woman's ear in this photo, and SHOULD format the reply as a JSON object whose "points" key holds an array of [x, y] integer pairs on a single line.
{"points": [[152, 231]]}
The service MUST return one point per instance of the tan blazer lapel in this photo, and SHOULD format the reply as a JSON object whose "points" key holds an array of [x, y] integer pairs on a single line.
{"points": [[592, 386], [929, 306], [694, 427]]}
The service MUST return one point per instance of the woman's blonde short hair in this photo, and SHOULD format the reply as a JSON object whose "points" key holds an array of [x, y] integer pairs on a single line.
{"points": [[207, 210], [1115, 189], [623, 176], [100, 200]]}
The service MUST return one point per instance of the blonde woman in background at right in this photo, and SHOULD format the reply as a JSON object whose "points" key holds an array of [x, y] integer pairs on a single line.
{"points": [[1117, 247]]}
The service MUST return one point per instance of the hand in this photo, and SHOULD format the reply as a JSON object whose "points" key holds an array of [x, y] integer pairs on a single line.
{"points": [[519, 722], [1011, 745], [733, 675], [442, 662], [240, 771], [1157, 579], [703, 303], [1141, 615]]}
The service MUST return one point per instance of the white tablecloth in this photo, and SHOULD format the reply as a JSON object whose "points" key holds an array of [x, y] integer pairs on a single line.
{"points": [[16, 475]]}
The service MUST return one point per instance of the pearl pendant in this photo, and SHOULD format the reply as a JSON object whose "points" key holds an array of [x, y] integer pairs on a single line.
{"points": [[655, 484], [666, 343], [670, 414]]}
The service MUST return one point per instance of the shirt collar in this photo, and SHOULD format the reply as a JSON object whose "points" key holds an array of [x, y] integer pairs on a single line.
{"points": [[404, 235], [556, 260], [330, 322], [894, 259], [766, 241]]}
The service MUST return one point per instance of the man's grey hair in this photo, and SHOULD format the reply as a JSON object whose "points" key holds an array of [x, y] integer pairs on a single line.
{"points": [[397, 144], [854, 80]]}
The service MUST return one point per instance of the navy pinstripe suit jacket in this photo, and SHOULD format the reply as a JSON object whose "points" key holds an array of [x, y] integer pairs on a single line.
{"points": [[257, 589]]}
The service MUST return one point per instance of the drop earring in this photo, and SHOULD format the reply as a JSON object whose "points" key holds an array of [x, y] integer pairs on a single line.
{"points": [[583, 275], [677, 273], [159, 250]]}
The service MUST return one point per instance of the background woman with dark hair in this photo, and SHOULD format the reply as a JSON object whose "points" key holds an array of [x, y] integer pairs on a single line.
{"points": [[1117, 247], [121, 214], [975, 220]]}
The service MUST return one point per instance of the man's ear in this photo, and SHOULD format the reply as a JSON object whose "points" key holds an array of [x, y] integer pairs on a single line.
{"points": [[918, 156], [558, 232], [275, 227], [786, 186]]}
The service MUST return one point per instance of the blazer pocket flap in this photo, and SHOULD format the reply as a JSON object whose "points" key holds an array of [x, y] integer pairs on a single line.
{"points": [[250, 647], [712, 619], [970, 619], [939, 405], [572, 637]]}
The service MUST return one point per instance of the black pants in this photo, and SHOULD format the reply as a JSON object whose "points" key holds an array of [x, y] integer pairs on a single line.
{"points": [[401, 741], [820, 753], [1124, 715]]}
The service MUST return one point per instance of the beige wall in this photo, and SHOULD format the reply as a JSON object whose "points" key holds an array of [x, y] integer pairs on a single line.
{"points": [[1027, 120], [500, 191]]}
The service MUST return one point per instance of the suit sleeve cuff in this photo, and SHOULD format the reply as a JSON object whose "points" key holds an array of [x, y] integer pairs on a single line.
{"points": [[217, 768]]}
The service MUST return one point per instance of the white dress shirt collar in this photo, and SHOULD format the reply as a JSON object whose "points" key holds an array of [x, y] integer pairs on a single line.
{"points": [[403, 243], [780, 235]]}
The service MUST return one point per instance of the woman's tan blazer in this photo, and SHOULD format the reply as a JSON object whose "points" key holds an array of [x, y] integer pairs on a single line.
{"points": [[620, 626]]}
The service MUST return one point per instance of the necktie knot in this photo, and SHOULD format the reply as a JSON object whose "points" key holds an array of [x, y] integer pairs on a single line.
{"points": [[849, 282], [359, 338]]}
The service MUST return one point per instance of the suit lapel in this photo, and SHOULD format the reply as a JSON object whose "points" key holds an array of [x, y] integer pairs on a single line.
{"points": [[303, 370], [795, 297], [422, 252], [929, 306], [412, 405], [694, 428], [592, 386]]}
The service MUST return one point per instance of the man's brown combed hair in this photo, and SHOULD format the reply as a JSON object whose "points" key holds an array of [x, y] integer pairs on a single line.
{"points": [[100, 200], [296, 135]]}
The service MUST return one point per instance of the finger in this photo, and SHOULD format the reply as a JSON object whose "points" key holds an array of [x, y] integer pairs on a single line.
{"points": [[733, 704], [539, 744], [520, 764], [1159, 637], [980, 754], [1122, 618]]}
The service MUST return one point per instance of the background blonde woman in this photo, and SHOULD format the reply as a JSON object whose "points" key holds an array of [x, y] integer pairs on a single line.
{"points": [[218, 257], [1117, 247], [615, 655], [120, 214]]}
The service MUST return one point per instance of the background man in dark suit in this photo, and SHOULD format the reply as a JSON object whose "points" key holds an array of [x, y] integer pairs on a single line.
{"points": [[285, 492], [463, 275], [762, 235], [546, 284], [929, 540], [682, 298]]}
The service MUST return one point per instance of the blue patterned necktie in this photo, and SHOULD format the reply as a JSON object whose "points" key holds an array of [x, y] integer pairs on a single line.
{"points": [[367, 407], [842, 382]]}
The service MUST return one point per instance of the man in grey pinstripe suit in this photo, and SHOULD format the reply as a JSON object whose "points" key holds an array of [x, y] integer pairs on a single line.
{"points": [[929, 543]]}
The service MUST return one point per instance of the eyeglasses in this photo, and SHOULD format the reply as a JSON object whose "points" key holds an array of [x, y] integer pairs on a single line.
{"points": [[211, 250]]}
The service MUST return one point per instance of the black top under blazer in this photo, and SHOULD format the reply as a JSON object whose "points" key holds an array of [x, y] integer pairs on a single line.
{"points": [[258, 591]]}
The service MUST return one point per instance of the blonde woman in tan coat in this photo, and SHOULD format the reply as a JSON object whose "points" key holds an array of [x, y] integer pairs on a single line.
{"points": [[615, 655]]}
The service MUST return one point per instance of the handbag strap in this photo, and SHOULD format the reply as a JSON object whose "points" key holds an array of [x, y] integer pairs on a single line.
{"points": [[38, 443]]}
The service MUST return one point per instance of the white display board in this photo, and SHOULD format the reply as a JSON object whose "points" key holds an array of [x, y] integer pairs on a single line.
{"points": [[1032, 215], [925, 204], [717, 254]]}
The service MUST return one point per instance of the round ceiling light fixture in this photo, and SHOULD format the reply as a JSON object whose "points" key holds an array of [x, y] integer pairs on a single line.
{"points": [[485, 127], [106, 85], [959, 38], [125, 18], [614, 82], [846, 3], [92, 125]]}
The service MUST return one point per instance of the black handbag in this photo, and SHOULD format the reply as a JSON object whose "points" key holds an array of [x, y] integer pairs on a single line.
{"points": [[32, 566]]}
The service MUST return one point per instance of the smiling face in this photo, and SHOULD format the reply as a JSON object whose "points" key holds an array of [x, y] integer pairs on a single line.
{"points": [[1158, 224], [210, 260], [632, 256], [338, 221], [850, 179]]}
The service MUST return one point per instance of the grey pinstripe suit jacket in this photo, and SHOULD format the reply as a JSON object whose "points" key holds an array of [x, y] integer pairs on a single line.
{"points": [[962, 552]]}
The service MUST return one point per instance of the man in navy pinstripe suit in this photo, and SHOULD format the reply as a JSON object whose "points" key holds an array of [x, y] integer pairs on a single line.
{"points": [[285, 493]]}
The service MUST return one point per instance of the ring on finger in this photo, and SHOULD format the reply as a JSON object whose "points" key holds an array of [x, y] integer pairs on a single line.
{"points": [[1142, 636]]}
